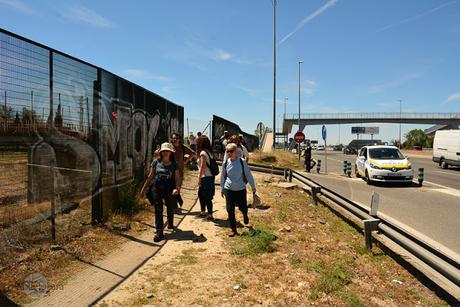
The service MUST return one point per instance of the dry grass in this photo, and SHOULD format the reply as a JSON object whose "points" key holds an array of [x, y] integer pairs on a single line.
{"points": [[322, 259], [296, 255], [278, 158]]}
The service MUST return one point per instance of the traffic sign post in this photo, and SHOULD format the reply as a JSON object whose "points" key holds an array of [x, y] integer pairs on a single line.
{"points": [[324, 135], [299, 137]]}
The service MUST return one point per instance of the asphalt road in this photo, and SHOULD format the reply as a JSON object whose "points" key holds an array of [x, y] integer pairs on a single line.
{"points": [[432, 210]]}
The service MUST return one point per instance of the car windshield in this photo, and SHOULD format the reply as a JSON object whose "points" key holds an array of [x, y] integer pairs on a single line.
{"points": [[385, 154]]}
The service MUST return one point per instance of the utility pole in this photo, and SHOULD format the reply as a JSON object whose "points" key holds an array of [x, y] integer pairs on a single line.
{"points": [[400, 119], [285, 138], [274, 74], [285, 103], [298, 121]]}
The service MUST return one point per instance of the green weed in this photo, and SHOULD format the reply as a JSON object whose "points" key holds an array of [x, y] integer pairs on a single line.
{"points": [[255, 241]]}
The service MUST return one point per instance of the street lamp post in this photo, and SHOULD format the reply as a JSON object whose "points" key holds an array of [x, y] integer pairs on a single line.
{"points": [[274, 74], [298, 121], [400, 118], [284, 117], [285, 103]]}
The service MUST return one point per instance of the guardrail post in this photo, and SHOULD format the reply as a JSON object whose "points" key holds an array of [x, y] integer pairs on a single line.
{"points": [[421, 175], [318, 166], [348, 169], [290, 175], [314, 193], [285, 174], [345, 167], [369, 226]]}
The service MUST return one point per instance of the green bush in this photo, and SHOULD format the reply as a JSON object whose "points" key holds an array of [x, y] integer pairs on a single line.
{"points": [[128, 200]]}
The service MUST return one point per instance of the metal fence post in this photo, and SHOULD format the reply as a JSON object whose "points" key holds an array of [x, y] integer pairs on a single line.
{"points": [[348, 169], [53, 204], [345, 167], [290, 175], [318, 166]]}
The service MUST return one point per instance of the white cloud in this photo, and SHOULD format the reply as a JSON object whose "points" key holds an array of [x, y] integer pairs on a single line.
{"points": [[453, 97], [19, 6], [88, 16], [141, 74], [308, 87], [426, 13], [309, 18], [221, 55], [378, 88]]}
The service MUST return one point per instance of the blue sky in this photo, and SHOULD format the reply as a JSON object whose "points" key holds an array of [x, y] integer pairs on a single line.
{"points": [[216, 57]]}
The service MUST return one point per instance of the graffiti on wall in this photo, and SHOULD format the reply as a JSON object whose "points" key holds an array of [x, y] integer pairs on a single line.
{"points": [[117, 150], [219, 125]]}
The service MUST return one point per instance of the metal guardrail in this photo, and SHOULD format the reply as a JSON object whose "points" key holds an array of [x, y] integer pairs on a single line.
{"points": [[437, 266], [382, 115]]}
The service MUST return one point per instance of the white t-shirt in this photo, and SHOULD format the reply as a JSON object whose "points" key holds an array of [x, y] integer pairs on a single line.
{"points": [[207, 170], [191, 140], [245, 152]]}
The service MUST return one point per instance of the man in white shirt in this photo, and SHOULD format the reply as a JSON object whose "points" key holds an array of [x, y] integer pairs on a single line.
{"points": [[192, 141]]}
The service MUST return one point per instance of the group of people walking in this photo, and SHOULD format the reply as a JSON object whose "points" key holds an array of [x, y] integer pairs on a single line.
{"points": [[166, 174]]}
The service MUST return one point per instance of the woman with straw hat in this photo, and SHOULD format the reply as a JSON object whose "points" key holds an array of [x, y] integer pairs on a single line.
{"points": [[163, 184]]}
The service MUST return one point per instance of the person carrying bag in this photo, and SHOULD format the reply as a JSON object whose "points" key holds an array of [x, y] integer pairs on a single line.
{"points": [[163, 184], [235, 175]]}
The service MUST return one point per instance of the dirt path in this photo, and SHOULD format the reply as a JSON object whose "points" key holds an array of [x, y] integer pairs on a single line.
{"points": [[198, 243]]}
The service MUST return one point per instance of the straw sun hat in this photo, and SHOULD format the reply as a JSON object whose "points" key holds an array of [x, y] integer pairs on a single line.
{"points": [[167, 147]]}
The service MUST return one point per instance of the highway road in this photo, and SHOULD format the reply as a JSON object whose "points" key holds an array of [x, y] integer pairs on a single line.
{"points": [[431, 211]]}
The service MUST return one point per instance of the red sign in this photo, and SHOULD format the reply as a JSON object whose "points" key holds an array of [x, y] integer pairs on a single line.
{"points": [[299, 137]]}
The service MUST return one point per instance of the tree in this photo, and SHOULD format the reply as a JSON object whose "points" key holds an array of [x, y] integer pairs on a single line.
{"points": [[6, 112], [416, 137], [28, 115]]}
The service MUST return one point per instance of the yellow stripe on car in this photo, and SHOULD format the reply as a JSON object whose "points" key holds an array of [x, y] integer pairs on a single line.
{"points": [[389, 166]]}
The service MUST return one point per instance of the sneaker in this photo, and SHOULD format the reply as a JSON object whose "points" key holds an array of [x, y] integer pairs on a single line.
{"points": [[202, 213], [158, 237], [232, 234], [246, 219], [210, 217]]}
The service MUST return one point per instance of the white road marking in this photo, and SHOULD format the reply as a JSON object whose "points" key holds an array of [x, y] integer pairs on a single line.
{"points": [[444, 189], [448, 173]]}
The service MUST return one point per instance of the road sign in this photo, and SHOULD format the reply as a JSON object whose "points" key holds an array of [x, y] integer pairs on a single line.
{"points": [[299, 137], [324, 132], [365, 130]]}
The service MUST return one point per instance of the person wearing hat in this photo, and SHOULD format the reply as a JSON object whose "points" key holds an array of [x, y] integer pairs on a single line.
{"points": [[163, 184]]}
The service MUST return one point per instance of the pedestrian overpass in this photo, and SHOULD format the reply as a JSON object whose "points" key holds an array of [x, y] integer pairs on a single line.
{"points": [[449, 119]]}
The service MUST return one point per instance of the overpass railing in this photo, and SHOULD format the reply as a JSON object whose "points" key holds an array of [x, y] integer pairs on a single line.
{"points": [[382, 115]]}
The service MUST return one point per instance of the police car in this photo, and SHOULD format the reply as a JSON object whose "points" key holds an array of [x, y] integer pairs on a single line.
{"points": [[383, 163]]}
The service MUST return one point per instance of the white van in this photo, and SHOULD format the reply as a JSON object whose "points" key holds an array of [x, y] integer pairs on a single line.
{"points": [[446, 148]]}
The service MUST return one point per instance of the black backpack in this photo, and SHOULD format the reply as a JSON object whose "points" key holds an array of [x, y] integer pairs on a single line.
{"points": [[212, 165]]}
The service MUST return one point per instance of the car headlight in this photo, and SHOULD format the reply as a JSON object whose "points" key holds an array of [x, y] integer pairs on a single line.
{"points": [[374, 166]]}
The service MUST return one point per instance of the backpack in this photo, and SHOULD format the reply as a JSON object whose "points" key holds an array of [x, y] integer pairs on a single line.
{"points": [[242, 168], [213, 167]]}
